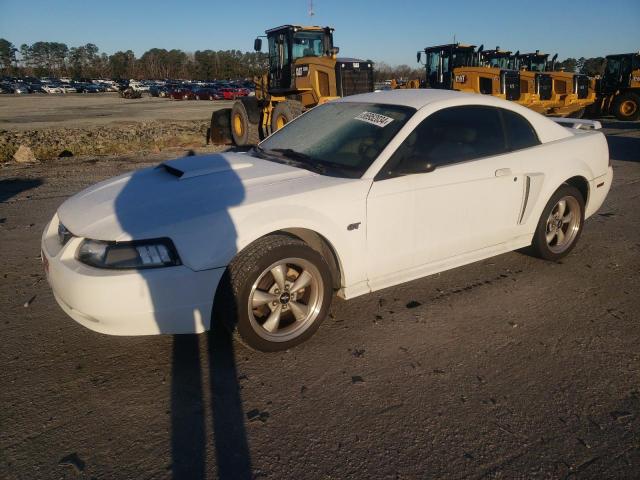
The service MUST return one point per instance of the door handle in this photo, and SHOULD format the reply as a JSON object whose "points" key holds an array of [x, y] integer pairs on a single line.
{"points": [[503, 172]]}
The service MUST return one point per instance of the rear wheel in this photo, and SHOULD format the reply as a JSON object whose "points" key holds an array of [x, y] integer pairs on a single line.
{"points": [[626, 107], [275, 294], [284, 112], [244, 132], [560, 224]]}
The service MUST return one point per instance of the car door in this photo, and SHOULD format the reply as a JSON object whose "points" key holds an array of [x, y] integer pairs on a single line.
{"points": [[453, 188]]}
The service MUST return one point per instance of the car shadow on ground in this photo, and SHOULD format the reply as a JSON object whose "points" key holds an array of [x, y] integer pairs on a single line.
{"points": [[624, 148], [13, 186], [620, 125]]}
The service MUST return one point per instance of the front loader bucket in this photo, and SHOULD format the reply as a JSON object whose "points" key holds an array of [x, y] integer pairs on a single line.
{"points": [[220, 129]]}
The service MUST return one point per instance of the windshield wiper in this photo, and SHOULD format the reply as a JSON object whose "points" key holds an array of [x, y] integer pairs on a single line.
{"points": [[299, 159]]}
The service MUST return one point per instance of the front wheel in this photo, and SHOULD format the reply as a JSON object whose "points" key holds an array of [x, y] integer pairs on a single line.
{"points": [[560, 224], [275, 294], [626, 107]]}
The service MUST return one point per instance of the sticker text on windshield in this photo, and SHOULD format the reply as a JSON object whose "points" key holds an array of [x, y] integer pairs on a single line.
{"points": [[374, 119]]}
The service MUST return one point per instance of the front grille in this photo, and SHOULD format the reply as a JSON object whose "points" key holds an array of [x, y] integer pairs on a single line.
{"points": [[544, 86], [323, 84], [486, 85], [510, 84], [560, 86], [581, 86], [353, 77]]}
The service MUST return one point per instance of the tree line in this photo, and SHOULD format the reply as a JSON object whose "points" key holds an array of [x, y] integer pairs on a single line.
{"points": [[54, 59]]}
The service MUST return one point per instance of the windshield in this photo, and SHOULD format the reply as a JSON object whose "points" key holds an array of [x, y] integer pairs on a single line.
{"points": [[537, 65], [499, 62], [341, 139], [308, 44], [463, 58]]}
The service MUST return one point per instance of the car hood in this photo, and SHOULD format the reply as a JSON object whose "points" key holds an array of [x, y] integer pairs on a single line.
{"points": [[156, 202]]}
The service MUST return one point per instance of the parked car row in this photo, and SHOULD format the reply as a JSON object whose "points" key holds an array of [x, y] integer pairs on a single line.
{"points": [[207, 91], [22, 87], [175, 90]]}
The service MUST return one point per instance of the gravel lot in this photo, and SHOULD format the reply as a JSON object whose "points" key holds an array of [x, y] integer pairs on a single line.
{"points": [[80, 110], [508, 368]]}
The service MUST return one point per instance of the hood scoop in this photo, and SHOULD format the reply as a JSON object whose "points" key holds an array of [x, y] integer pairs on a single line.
{"points": [[196, 166]]}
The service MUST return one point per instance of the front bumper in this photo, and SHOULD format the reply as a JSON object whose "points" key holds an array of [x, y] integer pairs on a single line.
{"points": [[128, 302]]}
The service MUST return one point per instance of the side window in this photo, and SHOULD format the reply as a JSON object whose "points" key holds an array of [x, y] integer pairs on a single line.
{"points": [[520, 133], [446, 137]]}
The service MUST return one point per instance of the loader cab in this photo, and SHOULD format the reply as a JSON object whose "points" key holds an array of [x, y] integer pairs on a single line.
{"points": [[618, 72], [497, 58], [441, 60], [534, 62], [289, 43]]}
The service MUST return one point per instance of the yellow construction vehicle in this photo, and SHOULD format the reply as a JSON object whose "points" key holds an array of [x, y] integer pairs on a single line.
{"points": [[570, 93], [401, 84], [535, 88], [618, 91], [456, 66], [304, 71]]}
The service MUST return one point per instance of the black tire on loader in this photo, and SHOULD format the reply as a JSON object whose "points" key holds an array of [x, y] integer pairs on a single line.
{"points": [[284, 112], [244, 124], [626, 107], [220, 129]]}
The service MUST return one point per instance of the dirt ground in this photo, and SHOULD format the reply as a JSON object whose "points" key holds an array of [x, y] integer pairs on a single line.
{"points": [[22, 112], [509, 368]]}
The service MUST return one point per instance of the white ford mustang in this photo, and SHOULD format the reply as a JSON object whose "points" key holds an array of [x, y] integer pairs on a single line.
{"points": [[355, 195]]}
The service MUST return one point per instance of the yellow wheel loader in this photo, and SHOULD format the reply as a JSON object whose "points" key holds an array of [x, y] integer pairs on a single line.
{"points": [[569, 95], [304, 71], [618, 91], [535, 89], [457, 67]]}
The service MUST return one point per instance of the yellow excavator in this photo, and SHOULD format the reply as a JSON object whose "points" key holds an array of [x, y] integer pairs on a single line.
{"points": [[569, 93], [618, 91], [304, 71]]}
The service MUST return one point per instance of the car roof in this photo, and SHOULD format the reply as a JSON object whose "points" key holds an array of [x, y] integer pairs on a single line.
{"points": [[418, 98], [413, 97]]}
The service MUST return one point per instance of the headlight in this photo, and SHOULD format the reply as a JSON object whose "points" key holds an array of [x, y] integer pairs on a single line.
{"points": [[123, 255]]}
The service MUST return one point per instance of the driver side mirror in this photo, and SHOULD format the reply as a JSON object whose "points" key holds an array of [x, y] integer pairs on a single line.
{"points": [[419, 56], [257, 44]]}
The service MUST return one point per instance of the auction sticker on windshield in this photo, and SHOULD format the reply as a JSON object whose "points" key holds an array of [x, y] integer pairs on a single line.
{"points": [[374, 119]]}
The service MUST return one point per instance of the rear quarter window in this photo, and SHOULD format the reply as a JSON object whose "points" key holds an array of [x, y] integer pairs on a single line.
{"points": [[520, 133]]}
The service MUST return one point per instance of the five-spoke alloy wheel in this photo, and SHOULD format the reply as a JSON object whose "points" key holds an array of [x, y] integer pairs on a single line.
{"points": [[275, 294], [560, 224]]}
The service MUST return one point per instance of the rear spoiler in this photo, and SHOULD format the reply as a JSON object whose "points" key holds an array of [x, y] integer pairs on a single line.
{"points": [[578, 123]]}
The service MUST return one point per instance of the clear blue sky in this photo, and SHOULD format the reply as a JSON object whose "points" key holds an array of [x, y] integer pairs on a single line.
{"points": [[389, 31]]}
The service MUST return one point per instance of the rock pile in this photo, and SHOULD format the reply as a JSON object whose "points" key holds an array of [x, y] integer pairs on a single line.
{"points": [[51, 143]]}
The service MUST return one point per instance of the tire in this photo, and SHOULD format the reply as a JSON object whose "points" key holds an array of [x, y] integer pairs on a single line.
{"points": [[245, 133], [626, 107], [578, 113], [284, 112], [220, 128], [558, 231], [265, 274]]}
